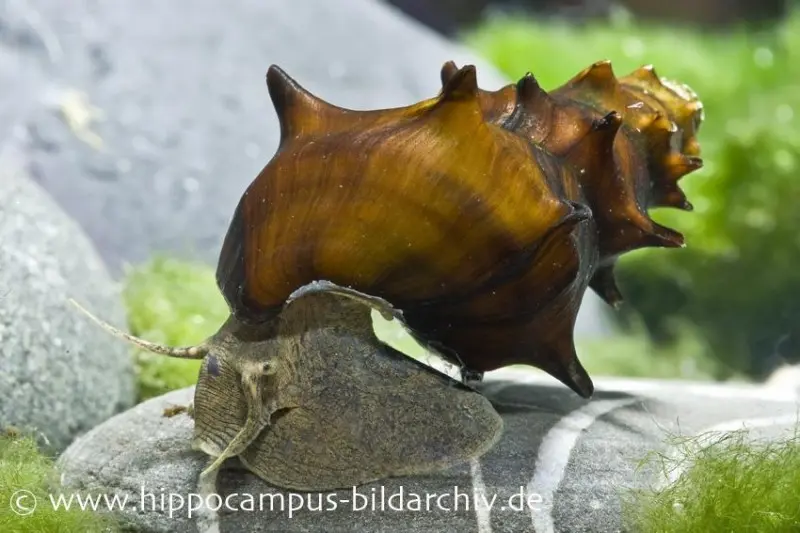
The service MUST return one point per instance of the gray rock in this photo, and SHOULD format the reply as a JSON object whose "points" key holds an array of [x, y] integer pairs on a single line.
{"points": [[25, 55], [183, 118], [569, 459], [60, 374]]}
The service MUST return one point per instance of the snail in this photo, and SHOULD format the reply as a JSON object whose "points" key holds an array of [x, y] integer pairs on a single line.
{"points": [[477, 219]]}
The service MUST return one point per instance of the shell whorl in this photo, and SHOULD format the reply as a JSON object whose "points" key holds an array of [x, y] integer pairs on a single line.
{"points": [[482, 216], [652, 123]]}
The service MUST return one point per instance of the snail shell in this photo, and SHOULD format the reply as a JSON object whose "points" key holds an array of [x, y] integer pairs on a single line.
{"points": [[481, 216]]}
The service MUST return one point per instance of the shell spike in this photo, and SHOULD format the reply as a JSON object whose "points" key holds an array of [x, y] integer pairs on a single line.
{"points": [[564, 365], [646, 74], [449, 70], [663, 237], [598, 143], [691, 109], [665, 191], [599, 83], [671, 196], [605, 285], [691, 145], [610, 122], [679, 165], [659, 132], [298, 110], [463, 84], [642, 232], [190, 352], [531, 96], [528, 87], [600, 72]]}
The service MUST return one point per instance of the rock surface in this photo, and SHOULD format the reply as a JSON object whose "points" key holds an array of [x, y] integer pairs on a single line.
{"points": [[568, 458], [157, 115], [61, 375]]}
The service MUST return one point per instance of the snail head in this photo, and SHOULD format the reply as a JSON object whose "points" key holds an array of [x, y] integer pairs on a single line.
{"points": [[235, 388]]}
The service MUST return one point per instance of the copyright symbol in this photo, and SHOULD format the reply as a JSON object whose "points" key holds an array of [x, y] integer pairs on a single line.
{"points": [[23, 502]]}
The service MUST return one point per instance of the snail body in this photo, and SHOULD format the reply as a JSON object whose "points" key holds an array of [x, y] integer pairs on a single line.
{"points": [[312, 425], [314, 401]]}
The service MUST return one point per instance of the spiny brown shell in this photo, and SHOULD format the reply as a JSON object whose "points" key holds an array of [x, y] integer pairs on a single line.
{"points": [[651, 124], [482, 216]]}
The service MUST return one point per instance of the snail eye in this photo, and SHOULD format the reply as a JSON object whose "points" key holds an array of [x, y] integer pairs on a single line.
{"points": [[212, 365]]}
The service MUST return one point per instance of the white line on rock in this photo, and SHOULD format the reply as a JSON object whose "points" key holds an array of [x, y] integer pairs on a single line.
{"points": [[207, 519], [554, 454], [760, 422], [509, 376], [482, 512]]}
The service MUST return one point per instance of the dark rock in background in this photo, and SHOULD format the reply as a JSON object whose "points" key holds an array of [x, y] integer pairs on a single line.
{"points": [[450, 17], [710, 13], [24, 60]]}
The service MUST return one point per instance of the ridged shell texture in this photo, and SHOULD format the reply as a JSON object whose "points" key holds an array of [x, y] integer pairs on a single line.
{"points": [[483, 216]]}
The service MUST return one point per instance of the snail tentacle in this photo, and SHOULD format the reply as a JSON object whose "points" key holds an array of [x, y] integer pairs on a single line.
{"points": [[187, 352]]}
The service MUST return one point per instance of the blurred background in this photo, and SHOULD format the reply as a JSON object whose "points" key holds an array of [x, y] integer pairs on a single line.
{"points": [[451, 17], [146, 120]]}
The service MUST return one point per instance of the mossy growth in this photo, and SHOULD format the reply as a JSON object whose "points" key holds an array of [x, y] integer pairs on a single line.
{"points": [[28, 478], [172, 302], [733, 484], [635, 354]]}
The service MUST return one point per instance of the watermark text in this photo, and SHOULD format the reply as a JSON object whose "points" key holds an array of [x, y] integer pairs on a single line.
{"points": [[358, 499]]}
